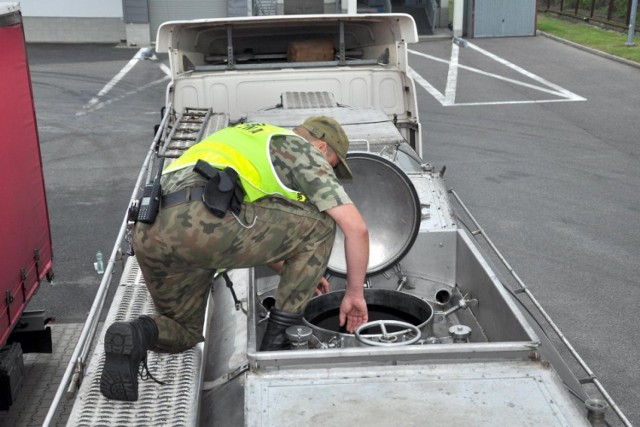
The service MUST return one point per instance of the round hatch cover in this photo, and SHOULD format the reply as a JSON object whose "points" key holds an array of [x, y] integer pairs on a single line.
{"points": [[389, 203]]}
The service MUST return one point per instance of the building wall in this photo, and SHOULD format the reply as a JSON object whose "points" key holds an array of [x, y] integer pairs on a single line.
{"points": [[170, 10], [72, 8], [103, 21], [240, 7], [73, 21], [73, 30]]}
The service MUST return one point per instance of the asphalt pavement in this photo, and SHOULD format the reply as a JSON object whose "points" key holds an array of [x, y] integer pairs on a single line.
{"points": [[539, 139], [541, 142]]}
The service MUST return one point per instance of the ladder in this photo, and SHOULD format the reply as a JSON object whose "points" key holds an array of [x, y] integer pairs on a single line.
{"points": [[187, 130]]}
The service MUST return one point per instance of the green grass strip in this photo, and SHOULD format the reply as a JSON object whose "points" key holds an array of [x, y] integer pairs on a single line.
{"points": [[612, 42]]}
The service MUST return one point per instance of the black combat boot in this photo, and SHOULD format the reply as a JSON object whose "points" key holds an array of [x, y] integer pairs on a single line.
{"points": [[275, 337], [125, 347]]}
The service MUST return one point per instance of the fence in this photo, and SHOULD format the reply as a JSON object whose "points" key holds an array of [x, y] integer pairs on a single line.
{"points": [[610, 12]]}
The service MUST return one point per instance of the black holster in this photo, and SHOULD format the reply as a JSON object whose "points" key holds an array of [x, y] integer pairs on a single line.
{"points": [[223, 191]]}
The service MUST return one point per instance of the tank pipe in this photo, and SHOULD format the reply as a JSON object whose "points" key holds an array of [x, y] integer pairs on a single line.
{"points": [[76, 364], [556, 329]]}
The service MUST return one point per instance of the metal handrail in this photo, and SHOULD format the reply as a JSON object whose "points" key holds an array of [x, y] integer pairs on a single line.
{"points": [[524, 289], [75, 369]]}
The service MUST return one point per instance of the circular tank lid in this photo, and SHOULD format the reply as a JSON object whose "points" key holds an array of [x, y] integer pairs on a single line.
{"points": [[389, 203]]}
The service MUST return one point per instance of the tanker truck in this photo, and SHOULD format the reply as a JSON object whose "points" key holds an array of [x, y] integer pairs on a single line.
{"points": [[455, 338]]}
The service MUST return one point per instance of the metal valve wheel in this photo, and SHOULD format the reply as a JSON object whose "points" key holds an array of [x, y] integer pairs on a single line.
{"points": [[388, 339]]}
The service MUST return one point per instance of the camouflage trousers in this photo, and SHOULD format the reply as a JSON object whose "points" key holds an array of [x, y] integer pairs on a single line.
{"points": [[180, 252]]}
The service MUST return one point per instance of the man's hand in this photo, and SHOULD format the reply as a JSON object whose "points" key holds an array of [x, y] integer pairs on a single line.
{"points": [[353, 312], [323, 287]]}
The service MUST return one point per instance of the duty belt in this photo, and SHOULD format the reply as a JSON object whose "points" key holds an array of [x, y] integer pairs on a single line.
{"points": [[181, 196]]}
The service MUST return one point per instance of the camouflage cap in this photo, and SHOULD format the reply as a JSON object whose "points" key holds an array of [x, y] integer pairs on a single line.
{"points": [[328, 130]]}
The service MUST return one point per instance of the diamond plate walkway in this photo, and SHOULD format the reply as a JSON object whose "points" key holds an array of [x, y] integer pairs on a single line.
{"points": [[173, 404]]}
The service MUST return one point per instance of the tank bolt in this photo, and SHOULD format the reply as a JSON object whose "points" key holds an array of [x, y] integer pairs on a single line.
{"points": [[299, 336], [460, 333]]}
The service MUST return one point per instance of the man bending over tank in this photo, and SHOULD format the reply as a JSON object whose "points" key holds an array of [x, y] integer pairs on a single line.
{"points": [[285, 217]]}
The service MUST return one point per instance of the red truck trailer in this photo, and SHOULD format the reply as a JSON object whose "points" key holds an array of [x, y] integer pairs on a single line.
{"points": [[25, 237]]}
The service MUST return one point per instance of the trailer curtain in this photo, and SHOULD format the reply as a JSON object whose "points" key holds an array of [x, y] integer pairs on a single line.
{"points": [[25, 238]]}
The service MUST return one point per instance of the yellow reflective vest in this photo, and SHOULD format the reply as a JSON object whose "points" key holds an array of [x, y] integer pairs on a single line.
{"points": [[245, 148]]}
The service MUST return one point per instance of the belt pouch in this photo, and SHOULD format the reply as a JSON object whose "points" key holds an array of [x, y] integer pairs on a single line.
{"points": [[220, 189]]}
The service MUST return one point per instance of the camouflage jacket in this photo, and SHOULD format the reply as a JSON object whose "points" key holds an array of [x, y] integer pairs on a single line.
{"points": [[298, 164]]}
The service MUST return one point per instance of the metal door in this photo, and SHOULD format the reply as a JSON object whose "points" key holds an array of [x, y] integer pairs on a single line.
{"points": [[503, 18]]}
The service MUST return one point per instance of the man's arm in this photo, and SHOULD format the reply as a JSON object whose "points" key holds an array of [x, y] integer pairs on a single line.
{"points": [[353, 310]]}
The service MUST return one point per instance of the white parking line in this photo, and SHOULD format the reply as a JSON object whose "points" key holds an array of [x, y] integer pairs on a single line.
{"points": [[127, 94], [564, 92], [95, 102], [426, 85], [448, 98], [123, 72], [166, 69], [452, 76]]}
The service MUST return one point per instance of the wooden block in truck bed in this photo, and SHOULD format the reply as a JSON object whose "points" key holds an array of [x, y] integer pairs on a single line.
{"points": [[310, 51]]}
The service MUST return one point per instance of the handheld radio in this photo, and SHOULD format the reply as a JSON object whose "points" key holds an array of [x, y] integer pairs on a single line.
{"points": [[150, 203]]}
